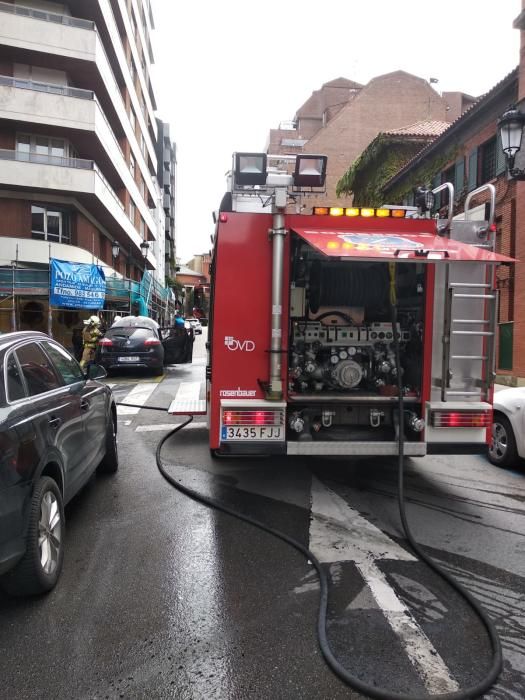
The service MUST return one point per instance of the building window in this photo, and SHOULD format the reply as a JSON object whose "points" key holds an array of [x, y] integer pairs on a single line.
{"points": [[143, 145], [132, 165], [142, 187], [46, 149], [142, 229], [50, 224], [488, 160], [132, 119], [23, 144], [132, 211]]}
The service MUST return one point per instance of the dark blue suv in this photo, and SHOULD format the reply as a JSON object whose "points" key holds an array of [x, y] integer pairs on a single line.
{"points": [[57, 426]]}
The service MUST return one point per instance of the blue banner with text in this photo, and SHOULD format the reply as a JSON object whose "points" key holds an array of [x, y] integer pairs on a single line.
{"points": [[76, 285]]}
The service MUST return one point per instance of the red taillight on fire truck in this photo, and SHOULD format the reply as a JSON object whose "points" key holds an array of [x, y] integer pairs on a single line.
{"points": [[105, 342], [260, 417], [248, 417], [461, 419]]}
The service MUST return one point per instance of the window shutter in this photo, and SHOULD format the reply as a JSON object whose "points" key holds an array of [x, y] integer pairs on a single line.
{"points": [[459, 179], [436, 182], [473, 170], [500, 158]]}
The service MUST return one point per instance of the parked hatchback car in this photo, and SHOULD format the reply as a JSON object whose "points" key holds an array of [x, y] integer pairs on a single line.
{"points": [[139, 341], [507, 446], [57, 426]]}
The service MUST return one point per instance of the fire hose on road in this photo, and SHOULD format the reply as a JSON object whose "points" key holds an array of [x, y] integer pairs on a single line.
{"points": [[372, 691]]}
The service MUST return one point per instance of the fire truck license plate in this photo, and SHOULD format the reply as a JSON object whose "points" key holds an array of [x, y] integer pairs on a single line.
{"points": [[252, 432]]}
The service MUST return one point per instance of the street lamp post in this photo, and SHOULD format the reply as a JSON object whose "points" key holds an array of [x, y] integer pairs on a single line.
{"points": [[144, 246], [510, 131]]}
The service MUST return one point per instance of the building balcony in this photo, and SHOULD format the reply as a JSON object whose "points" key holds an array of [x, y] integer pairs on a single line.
{"points": [[64, 107], [77, 48], [77, 178], [66, 20]]}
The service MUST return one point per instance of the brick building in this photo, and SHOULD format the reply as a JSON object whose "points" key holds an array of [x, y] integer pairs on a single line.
{"points": [[201, 293], [468, 154], [314, 114], [365, 179], [342, 118], [194, 284]]}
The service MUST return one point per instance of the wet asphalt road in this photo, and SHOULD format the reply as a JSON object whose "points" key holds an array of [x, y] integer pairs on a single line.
{"points": [[161, 597]]}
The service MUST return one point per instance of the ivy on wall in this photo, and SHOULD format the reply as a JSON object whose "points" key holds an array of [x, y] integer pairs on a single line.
{"points": [[385, 156], [366, 177], [422, 175]]}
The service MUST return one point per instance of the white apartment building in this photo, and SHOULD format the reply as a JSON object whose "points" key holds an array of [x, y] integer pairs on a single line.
{"points": [[78, 141]]}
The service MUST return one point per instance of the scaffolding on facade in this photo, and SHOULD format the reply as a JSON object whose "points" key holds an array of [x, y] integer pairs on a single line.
{"points": [[123, 297]]}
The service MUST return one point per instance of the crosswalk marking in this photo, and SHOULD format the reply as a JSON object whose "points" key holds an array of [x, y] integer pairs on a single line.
{"points": [[168, 426], [138, 395]]}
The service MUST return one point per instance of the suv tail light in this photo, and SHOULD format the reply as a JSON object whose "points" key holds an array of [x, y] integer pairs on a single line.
{"points": [[105, 342], [151, 341]]}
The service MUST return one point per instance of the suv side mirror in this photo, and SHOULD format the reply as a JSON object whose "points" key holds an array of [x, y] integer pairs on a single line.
{"points": [[96, 372]]}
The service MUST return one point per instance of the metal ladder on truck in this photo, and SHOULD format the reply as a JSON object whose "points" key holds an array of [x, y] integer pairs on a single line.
{"points": [[470, 313]]}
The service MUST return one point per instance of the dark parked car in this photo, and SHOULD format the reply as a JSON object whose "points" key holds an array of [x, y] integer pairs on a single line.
{"points": [[138, 341], [57, 426]]}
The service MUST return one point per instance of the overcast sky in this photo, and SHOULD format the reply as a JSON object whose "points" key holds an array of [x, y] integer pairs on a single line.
{"points": [[226, 71]]}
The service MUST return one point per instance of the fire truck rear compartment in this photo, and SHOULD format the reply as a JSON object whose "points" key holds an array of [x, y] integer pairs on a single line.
{"points": [[342, 374]]}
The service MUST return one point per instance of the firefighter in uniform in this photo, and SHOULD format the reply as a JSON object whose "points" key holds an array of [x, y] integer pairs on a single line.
{"points": [[90, 338]]}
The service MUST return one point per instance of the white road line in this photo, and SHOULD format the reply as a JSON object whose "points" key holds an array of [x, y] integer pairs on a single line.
{"points": [[138, 395], [339, 533], [169, 426]]}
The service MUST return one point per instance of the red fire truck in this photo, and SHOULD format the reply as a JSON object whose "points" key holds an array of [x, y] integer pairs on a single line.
{"points": [[301, 352]]}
